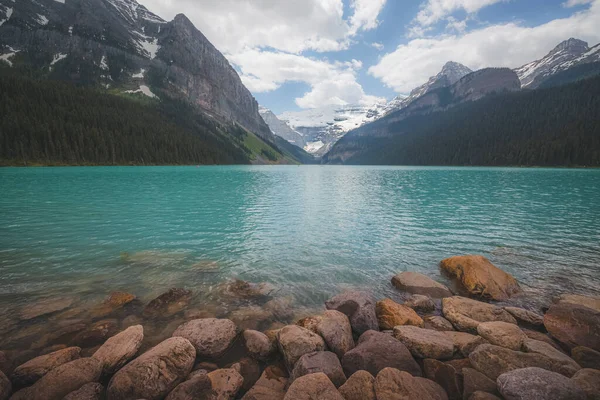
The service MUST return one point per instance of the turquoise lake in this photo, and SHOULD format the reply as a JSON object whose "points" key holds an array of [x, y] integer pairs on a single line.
{"points": [[310, 231]]}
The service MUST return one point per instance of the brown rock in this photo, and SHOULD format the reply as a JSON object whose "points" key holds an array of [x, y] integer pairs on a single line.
{"points": [[360, 386], [589, 381], [30, 372], [210, 336], [483, 396], [542, 337], [321, 361], [391, 314], [155, 373], [270, 386], [425, 343], [197, 388], [574, 325], [563, 363], [475, 381], [444, 375], [537, 383], [258, 345], [586, 357], [310, 323], [420, 302], [89, 391], [466, 314], [96, 334], [168, 304], [437, 323], [415, 283], [5, 363], [503, 334], [392, 384], [464, 343], [295, 341], [5, 387], [376, 351], [494, 361], [432, 388], [62, 380], [44, 307], [592, 302], [359, 307], [226, 383], [479, 277], [313, 387], [249, 369], [119, 349], [336, 330], [526, 317]]}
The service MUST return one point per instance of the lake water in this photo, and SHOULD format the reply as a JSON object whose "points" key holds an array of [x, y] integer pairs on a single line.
{"points": [[310, 231]]}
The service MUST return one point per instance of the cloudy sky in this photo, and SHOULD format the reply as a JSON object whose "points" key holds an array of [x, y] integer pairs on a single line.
{"points": [[298, 54]]}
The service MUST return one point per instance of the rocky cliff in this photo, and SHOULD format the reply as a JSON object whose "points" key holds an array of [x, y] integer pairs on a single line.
{"points": [[123, 47], [281, 128]]}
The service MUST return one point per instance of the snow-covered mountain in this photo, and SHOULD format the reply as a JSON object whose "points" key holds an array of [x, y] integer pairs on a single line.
{"points": [[567, 54], [451, 73], [323, 127], [281, 129]]}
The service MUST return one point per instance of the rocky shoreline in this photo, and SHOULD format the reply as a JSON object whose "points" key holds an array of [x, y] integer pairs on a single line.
{"points": [[435, 345]]}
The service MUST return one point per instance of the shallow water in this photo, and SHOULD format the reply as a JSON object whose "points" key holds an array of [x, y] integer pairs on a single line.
{"points": [[310, 231]]}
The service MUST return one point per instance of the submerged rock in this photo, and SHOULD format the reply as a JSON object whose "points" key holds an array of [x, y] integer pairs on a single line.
{"points": [[359, 307], [168, 304], [312, 387], [502, 334], [466, 314], [425, 343], [119, 349], [537, 383], [359, 386], [246, 290], [391, 314], [96, 333], [45, 306], [155, 373], [416, 283], [295, 341], [574, 325], [336, 330], [112, 303], [320, 361], [479, 277], [30, 372], [210, 336], [376, 351]]}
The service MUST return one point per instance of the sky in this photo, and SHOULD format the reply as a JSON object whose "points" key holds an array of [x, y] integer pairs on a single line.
{"points": [[302, 54]]}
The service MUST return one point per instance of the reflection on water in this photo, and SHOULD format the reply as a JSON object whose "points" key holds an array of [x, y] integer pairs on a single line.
{"points": [[310, 232]]}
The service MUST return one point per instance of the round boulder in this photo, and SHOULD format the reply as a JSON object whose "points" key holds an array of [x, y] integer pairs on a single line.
{"points": [[359, 307], [392, 384], [270, 386], [198, 387], [574, 325], [320, 361], [466, 314], [526, 317], [360, 386], [416, 283], [210, 336], [537, 383], [312, 387], [425, 343], [589, 381], [336, 330], [586, 357], [420, 302], [295, 341], [259, 345], [119, 349], [391, 314], [226, 383], [502, 334], [30, 372]]}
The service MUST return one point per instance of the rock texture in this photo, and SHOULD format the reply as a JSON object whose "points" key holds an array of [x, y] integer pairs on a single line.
{"points": [[479, 277], [437, 323], [5, 387], [336, 330], [359, 307], [210, 336], [475, 381], [445, 375], [226, 383], [416, 283], [420, 302], [586, 357], [271, 385], [592, 302], [466, 314], [589, 381], [155, 373], [391, 314], [376, 351], [258, 345], [526, 317], [502, 334], [568, 366], [392, 384], [89, 391], [30, 372], [44, 307], [320, 361], [295, 341], [574, 325], [425, 343], [111, 304], [313, 387], [198, 387], [464, 343], [119, 349], [168, 303], [360, 386], [537, 383]]}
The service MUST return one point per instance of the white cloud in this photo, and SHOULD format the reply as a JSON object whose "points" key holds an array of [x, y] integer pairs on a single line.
{"points": [[331, 83], [435, 10], [378, 46], [365, 14], [574, 3], [507, 45]]}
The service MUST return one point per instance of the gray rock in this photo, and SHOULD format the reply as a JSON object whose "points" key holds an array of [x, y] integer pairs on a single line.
{"points": [[526, 317], [210, 336], [574, 325], [360, 309], [62, 380], [589, 381], [393, 384], [437, 323], [420, 302], [416, 283], [258, 345], [313, 387], [155, 373], [376, 351], [226, 383], [295, 341], [270, 386], [537, 383], [425, 343], [336, 331], [359, 386], [196, 388], [503, 334], [119, 349], [466, 314], [321, 361], [30, 372], [475, 381], [586, 357], [5, 387], [89, 391]]}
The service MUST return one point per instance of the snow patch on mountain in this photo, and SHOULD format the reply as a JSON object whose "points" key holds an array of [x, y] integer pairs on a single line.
{"points": [[7, 56], [145, 90], [8, 11]]}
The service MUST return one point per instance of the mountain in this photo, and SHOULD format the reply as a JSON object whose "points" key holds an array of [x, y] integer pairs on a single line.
{"points": [[323, 127], [566, 55], [123, 47], [281, 129], [557, 126], [451, 73]]}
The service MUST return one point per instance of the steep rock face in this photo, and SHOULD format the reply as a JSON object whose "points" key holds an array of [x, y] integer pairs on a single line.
{"points": [[567, 54], [121, 45], [282, 129]]}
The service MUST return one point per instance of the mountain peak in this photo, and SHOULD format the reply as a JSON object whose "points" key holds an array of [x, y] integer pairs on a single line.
{"points": [[454, 71], [572, 45]]}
